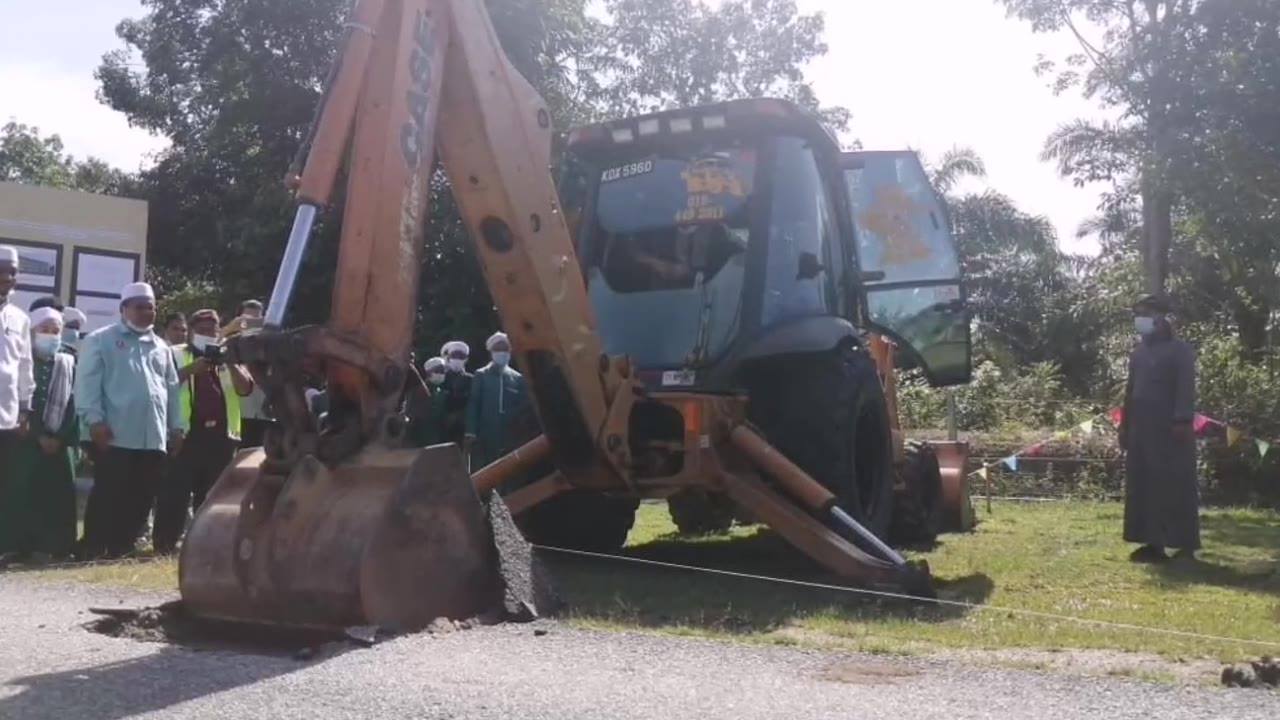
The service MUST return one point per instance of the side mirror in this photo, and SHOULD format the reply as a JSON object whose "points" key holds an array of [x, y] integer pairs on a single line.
{"points": [[809, 267]]}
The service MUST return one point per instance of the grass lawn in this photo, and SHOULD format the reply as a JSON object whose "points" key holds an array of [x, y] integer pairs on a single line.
{"points": [[1061, 558]]}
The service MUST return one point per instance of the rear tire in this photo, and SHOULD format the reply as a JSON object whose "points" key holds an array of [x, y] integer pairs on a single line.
{"points": [[580, 520], [917, 497], [697, 512], [826, 412]]}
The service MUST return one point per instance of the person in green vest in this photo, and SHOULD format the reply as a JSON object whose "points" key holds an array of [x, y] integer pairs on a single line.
{"points": [[497, 398], [426, 405], [38, 504], [209, 401]]}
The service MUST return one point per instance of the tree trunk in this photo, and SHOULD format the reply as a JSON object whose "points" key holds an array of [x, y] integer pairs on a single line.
{"points": [[1157, 234]]}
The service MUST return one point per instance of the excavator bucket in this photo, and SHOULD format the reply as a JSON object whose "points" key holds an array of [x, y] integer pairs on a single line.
{"points": [[392, 538]]}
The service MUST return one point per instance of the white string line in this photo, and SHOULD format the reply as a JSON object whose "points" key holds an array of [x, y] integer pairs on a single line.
{"points": [[902, 596]]}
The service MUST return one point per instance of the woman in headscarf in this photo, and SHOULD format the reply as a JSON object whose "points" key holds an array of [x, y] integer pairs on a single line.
{"points": [[38, 511]]}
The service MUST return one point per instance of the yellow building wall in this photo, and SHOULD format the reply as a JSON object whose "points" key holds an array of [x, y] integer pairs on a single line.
{"points": [[104, 237]]}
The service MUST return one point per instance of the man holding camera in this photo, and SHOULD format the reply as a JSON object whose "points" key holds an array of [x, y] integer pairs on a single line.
{"points": [[209, 401]]}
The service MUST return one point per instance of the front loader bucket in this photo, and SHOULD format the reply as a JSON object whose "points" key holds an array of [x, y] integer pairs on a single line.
{"points": [[393, 538]]}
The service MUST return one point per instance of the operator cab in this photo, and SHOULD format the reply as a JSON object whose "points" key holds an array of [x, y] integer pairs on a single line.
{"points": [[713, 236]]}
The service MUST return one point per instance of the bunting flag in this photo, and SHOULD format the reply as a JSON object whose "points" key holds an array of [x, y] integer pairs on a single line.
{"points": [[982, 473], [1263, 447], [1011, 462], [1200, 422], [1087, 426], [1233, 436], [1116, 415], [1034, 450]]}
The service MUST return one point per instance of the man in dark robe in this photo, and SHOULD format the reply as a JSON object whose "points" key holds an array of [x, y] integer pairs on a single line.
{"points": [[1161, 494]]}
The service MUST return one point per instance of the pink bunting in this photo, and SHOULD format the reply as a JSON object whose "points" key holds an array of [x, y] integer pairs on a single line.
{"points": [[1116, 416], [1199, 423]]}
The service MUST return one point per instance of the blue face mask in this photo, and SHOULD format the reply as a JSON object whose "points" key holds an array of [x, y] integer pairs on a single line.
{"points": [[1144, 325], [71, 337], [45, 345]]}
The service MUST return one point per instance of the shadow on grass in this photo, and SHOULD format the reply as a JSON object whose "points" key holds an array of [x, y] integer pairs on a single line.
{"points": [[1258, 537], [608, 590]]}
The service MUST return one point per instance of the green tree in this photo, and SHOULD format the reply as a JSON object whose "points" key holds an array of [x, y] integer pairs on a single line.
{"points": [[1192, 156], [28, 157]]}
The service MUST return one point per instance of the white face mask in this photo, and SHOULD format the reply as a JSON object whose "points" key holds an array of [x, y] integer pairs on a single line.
{"points": [[1144, 325], [501, 357], [46, 345], [435, 378], [140, 329], [200, 342], [457, 364]]}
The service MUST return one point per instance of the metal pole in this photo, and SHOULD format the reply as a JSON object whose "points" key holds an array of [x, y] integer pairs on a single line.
{"points": [[289, 265], [885, 551], [953, 429]]}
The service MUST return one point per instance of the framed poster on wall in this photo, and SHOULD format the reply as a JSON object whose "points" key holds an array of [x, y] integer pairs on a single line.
{"points": [[39, 271], [97, 277]]}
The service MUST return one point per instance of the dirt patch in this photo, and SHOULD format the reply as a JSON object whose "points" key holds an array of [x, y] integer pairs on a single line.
{"points": [[867, 673], [170, 623]]}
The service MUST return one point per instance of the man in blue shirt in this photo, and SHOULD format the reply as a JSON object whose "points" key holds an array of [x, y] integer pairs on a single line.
{"points": [[127, 395]]}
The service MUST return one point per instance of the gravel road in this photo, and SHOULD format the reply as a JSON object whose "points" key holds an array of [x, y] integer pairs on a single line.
{"points": [[50, 667]]}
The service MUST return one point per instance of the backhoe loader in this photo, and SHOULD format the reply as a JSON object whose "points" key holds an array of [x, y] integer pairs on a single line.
{"points": [[712, 334]]}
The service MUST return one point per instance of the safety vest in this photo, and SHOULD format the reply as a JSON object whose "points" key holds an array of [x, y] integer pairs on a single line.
{"points": [[229, 396]]}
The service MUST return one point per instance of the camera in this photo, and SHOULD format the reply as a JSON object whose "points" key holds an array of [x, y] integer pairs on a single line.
{"points": [[212, 352]]}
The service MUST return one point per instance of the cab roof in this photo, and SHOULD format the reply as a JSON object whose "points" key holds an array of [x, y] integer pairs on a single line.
{"points": [[765, 115]]}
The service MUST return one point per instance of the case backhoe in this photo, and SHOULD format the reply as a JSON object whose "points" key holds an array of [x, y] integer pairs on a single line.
{"points": [[341, 524]]}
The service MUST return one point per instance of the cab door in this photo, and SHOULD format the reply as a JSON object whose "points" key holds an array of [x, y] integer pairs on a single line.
{"points": [[908, 262]]}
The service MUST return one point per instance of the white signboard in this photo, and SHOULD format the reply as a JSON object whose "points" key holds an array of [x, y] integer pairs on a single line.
{"points": [[103, 274], [100, 311]]}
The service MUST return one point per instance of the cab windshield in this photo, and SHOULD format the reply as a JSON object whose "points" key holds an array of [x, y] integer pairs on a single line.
{"points": [[666, 257]]}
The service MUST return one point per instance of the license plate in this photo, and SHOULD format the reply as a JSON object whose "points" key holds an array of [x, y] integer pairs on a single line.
{"points": [[678, 378]]}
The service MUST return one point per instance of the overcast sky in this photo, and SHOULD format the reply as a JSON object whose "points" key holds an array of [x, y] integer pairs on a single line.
{"points": [[928, 74]]}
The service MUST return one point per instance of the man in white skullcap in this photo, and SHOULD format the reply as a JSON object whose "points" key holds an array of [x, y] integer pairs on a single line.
{"points": [[457, 388], [127, 393], [497, 397], [17, 383], [73, 324], [425, 404]]}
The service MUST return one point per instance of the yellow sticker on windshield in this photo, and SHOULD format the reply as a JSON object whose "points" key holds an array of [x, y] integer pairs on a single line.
{"points": [[890, 218], [712, 179]]}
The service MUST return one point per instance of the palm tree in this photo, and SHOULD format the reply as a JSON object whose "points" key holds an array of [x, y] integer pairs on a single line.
{"points": [[955, 165]]}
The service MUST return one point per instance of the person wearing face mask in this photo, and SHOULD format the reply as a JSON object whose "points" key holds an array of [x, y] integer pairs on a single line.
{"points": [[38, 504], [209, 402], [457, 387], [126, 391], [497, 398], [1161, 507], [425, 403], [73, 322]]}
